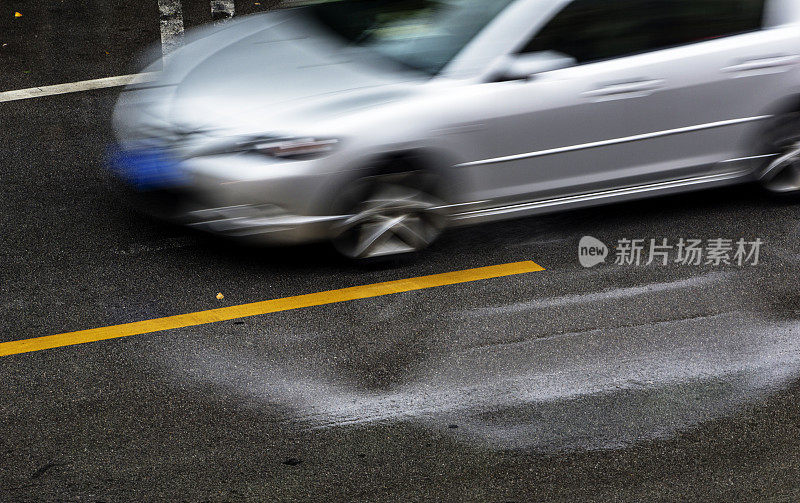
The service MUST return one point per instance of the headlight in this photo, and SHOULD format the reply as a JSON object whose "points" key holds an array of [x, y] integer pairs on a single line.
{"points": [[289, 148]]}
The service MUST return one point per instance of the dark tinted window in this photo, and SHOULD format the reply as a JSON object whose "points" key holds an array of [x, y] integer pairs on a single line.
{"points": [[592, 30], [687, 21]]}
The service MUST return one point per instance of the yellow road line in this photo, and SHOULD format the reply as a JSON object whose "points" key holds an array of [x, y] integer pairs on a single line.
{"points": [[264, 307]]}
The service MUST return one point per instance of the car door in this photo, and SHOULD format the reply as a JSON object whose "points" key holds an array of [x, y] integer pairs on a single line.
{"points": [[662, 89]]}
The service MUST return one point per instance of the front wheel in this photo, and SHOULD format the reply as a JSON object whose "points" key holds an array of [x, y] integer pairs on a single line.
{"points": [[388, 215]]}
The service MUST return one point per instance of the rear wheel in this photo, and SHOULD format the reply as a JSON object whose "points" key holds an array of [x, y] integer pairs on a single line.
{"points": [[782, 173], [389, 215]]}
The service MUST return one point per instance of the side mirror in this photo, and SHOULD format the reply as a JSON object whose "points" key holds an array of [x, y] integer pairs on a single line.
{"points": [[525, 66]]}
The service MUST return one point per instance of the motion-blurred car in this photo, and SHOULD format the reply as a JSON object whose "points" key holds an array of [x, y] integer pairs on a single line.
{"points": [[376, 124]]}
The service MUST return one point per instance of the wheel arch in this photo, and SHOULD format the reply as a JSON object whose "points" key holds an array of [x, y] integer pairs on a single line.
{"points": [[435, 163], [754, 140], [786, 104]]}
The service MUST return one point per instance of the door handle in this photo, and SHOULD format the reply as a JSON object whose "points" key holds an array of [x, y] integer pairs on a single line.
{"points": [[626, 90], [763, 65]]}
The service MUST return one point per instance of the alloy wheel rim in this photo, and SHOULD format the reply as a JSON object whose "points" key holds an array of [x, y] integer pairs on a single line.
{"points": [[393, 219], [782, 174]]}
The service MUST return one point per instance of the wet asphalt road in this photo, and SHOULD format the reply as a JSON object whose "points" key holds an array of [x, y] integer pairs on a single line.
{"points": [[619, 383]]}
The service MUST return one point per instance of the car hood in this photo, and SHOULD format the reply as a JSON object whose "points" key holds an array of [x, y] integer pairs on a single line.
{"points": [[265, 72]]}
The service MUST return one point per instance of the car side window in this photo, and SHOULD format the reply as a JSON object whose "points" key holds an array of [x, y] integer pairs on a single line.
{"points": [[689, 21], [594, 30]]}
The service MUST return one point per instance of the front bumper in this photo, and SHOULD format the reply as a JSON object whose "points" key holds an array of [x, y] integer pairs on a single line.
{"points": [[265, 222], [257, 223], [284, 204]]}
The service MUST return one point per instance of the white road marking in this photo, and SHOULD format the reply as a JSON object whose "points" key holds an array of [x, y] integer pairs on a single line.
{"points": [[221, 10], [171, 22], [74, 87], [614, 294], [171, 16]]}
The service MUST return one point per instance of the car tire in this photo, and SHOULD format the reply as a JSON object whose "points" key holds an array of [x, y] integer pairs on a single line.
{"points": [[388, 215]]}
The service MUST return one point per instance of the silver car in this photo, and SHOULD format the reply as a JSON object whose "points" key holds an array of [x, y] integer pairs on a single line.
{"points": [[377, 124]]}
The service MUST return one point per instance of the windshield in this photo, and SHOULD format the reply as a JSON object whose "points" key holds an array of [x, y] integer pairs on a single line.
{"points": [[421, 34]]}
